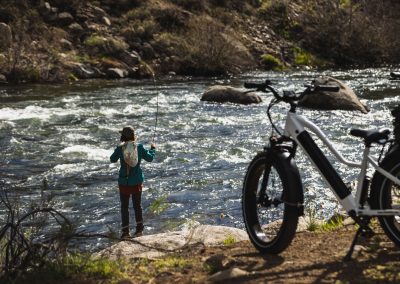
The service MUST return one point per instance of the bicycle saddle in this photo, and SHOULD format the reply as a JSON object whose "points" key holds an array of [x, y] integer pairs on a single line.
{"points": [[371, 136]]}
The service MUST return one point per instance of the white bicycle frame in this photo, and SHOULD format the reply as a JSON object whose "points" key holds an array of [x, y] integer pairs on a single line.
{"points": [[294, 128]]}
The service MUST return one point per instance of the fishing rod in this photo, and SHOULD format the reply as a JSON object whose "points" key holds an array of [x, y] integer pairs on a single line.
{"points": [[156, 122]]}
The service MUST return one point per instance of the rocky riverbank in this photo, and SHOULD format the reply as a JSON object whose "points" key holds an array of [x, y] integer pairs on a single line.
{"points": [[225, 255], [61, 41]]}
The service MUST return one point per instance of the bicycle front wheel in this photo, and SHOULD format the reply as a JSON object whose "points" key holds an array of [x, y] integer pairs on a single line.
{"points": [[270, 220]]}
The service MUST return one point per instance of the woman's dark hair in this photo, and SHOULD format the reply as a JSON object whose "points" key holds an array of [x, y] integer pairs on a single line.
{"points": [[127, 134]]}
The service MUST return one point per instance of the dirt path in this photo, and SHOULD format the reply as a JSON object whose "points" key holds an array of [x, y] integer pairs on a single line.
{"points": [[313, 257]]}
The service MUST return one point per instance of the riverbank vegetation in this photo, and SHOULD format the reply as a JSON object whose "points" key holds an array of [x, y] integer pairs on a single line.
{"points": [[57, 40]]}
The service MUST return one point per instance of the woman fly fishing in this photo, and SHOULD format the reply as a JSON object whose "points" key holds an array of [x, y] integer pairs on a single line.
{"points": [[130, 180]]}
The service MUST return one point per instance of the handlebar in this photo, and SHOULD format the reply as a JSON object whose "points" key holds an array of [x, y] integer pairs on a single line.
{"points": [[326, 88], [289, 96]]}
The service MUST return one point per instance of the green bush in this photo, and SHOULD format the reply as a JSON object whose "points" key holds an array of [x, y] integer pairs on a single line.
{"points": [[95, 40], [137, 15], [273, 7], [105, 45], [77, 266], [270, 62], [230, 240], [303, 58]]}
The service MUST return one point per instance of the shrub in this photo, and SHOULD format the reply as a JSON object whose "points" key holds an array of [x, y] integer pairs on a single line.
{"points": [[230, 240], [363, 33], [171, 18], [137, 15], [209, 48], [78, 266], [270, 62], [159, 205], [169, 262], [105, 45], [191, 5], [276, 13], [274, 7], [332, 224], [302, 57]]}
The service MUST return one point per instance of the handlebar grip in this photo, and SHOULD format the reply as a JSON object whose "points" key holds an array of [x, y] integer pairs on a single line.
{"points": [[327, 88], [248, 85]]}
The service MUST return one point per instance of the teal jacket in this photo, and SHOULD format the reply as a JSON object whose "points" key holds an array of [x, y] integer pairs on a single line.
{"points": [[135, 174]]}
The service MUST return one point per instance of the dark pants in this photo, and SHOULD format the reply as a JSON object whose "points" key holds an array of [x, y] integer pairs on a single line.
{"points": [[136, 200]]}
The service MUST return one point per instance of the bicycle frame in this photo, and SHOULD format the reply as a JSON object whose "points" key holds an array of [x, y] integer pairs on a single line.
{"points": [[295, 128]]}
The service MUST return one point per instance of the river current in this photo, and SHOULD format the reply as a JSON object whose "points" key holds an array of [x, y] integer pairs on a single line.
{"points": [[66, 134]]}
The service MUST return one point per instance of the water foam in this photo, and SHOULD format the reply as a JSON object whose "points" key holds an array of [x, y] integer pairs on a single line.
{"points": [[34, 112], [90, 152]]}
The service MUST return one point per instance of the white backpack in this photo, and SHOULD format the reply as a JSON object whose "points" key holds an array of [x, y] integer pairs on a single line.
{"points": [[130, 153]]}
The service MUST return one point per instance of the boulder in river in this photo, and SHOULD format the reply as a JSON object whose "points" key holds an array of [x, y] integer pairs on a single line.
{"points": [[225, 94], [394, 76], [345, 99], [153, 246]]}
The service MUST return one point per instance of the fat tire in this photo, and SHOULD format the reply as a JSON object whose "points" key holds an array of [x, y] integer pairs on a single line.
{"points": [[380, 197], [288, 227]]}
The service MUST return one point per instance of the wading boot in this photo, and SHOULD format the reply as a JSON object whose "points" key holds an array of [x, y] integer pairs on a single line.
{"points": [[139, 230], [125, 233]]}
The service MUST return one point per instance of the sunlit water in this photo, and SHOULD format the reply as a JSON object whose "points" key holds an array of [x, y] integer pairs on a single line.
{"points": [[66, 134]]}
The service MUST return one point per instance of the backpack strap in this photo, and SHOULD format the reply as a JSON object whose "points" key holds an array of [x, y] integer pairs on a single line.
{"points": [[128, 168]]}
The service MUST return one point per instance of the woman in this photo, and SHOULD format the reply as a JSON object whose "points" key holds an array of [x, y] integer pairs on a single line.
{"points": [[130, 180]]}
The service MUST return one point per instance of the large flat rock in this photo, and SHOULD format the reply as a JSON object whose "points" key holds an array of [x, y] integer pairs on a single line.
{"points": [[153, 246], [227, 94]]}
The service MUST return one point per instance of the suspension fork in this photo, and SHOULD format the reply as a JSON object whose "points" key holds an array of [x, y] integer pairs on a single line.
{"points": [[276, 144], [262, 197]]}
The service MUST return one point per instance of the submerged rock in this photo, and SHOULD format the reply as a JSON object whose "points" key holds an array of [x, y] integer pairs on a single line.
{"points": [[225, 94], [157, 245], [345, 99], [394, 76]]}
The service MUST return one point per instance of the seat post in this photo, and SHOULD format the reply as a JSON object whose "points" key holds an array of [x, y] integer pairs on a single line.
{"points": [[363, 174]]}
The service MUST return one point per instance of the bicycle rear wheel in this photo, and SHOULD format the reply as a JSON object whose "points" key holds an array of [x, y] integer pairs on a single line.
{"points": [[270, 220], [386, 195]]}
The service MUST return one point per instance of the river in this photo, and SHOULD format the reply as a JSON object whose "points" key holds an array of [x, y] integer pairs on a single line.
{"points": [[66, 133]]}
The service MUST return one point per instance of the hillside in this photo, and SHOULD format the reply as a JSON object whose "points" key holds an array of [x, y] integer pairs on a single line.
{"points": [[59, 40]]}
